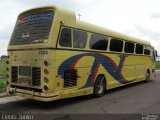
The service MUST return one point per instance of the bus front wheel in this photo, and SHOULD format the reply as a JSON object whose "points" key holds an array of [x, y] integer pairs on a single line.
{"points": [[99, 86]]}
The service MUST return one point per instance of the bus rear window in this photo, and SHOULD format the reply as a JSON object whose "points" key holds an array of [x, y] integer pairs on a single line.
{"points": [[32, 28]]}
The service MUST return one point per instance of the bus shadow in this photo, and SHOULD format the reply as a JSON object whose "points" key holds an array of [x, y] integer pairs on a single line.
{"points": [[28, 105], [126, 86], [33, 104]]}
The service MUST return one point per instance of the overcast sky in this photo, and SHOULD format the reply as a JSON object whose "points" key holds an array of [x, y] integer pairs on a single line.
{"points": [[139, 18]]}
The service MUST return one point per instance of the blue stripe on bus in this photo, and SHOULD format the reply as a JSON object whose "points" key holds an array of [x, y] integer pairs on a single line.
{"points": [[100, 59]]}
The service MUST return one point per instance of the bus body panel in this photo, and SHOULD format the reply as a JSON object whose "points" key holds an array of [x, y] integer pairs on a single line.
{"points": [[131, 72]]}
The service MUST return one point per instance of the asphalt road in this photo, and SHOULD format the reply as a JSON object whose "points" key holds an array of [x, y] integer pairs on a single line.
{"points": [[133, 99]]}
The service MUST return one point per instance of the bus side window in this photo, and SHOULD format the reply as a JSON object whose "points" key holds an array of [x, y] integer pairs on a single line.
{"points": [[79, 39], [129, 47], [154, 56], [116, 45], [65, 38], [98, 42], [139, 49], [147, 50]]}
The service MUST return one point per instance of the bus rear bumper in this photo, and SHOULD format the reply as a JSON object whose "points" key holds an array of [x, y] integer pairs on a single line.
{"points": [[34, 95]]}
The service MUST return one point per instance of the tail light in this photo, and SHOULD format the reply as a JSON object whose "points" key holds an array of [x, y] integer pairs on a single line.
{"points": [[46, 71], [46, 87], [7, 82], [46, 79], [7, 69], [7, 62], [46, 63], [7, 76]]}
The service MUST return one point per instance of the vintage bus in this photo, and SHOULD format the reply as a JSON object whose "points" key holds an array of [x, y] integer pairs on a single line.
{"points": [[52, 55]]}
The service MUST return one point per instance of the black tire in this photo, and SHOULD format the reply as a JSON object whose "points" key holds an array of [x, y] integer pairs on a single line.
{"points": [[99, 86]]}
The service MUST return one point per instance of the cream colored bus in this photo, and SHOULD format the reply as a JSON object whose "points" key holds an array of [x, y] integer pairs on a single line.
{"points": [[53, 56]]}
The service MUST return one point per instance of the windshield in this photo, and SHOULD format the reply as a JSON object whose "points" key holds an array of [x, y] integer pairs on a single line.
{"points": [[32, 28]]}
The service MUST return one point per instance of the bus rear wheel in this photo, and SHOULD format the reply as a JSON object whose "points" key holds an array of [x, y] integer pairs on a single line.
{"points": [[99, 86]]}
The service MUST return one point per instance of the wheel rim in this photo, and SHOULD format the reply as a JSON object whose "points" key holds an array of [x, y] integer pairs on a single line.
{"points": [[147, 77], [100, 86]]}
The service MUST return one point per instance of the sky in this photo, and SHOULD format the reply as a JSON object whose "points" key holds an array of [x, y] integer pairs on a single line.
{"points": [[138, 18]]}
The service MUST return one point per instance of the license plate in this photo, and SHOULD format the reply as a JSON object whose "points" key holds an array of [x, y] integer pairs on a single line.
{"points": [[25, 71], [24, 81]]}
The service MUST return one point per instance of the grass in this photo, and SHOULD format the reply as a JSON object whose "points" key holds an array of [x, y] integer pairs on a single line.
{"points": [[2, 86], [2, 69], [2, 75], [158, 65]]}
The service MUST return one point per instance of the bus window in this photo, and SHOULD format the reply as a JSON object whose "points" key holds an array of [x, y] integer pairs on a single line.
{"points": [[65, 38], [116, 45], [32, 28], [147, 50], [154, 56], [129, 47], [156, 53], [139, 49], [98, 42], [79, 39]]}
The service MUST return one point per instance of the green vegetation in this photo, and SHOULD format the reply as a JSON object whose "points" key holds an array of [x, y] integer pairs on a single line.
{"points": [[158, 65], [2, 85], [2, 69], [2, 75]]}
